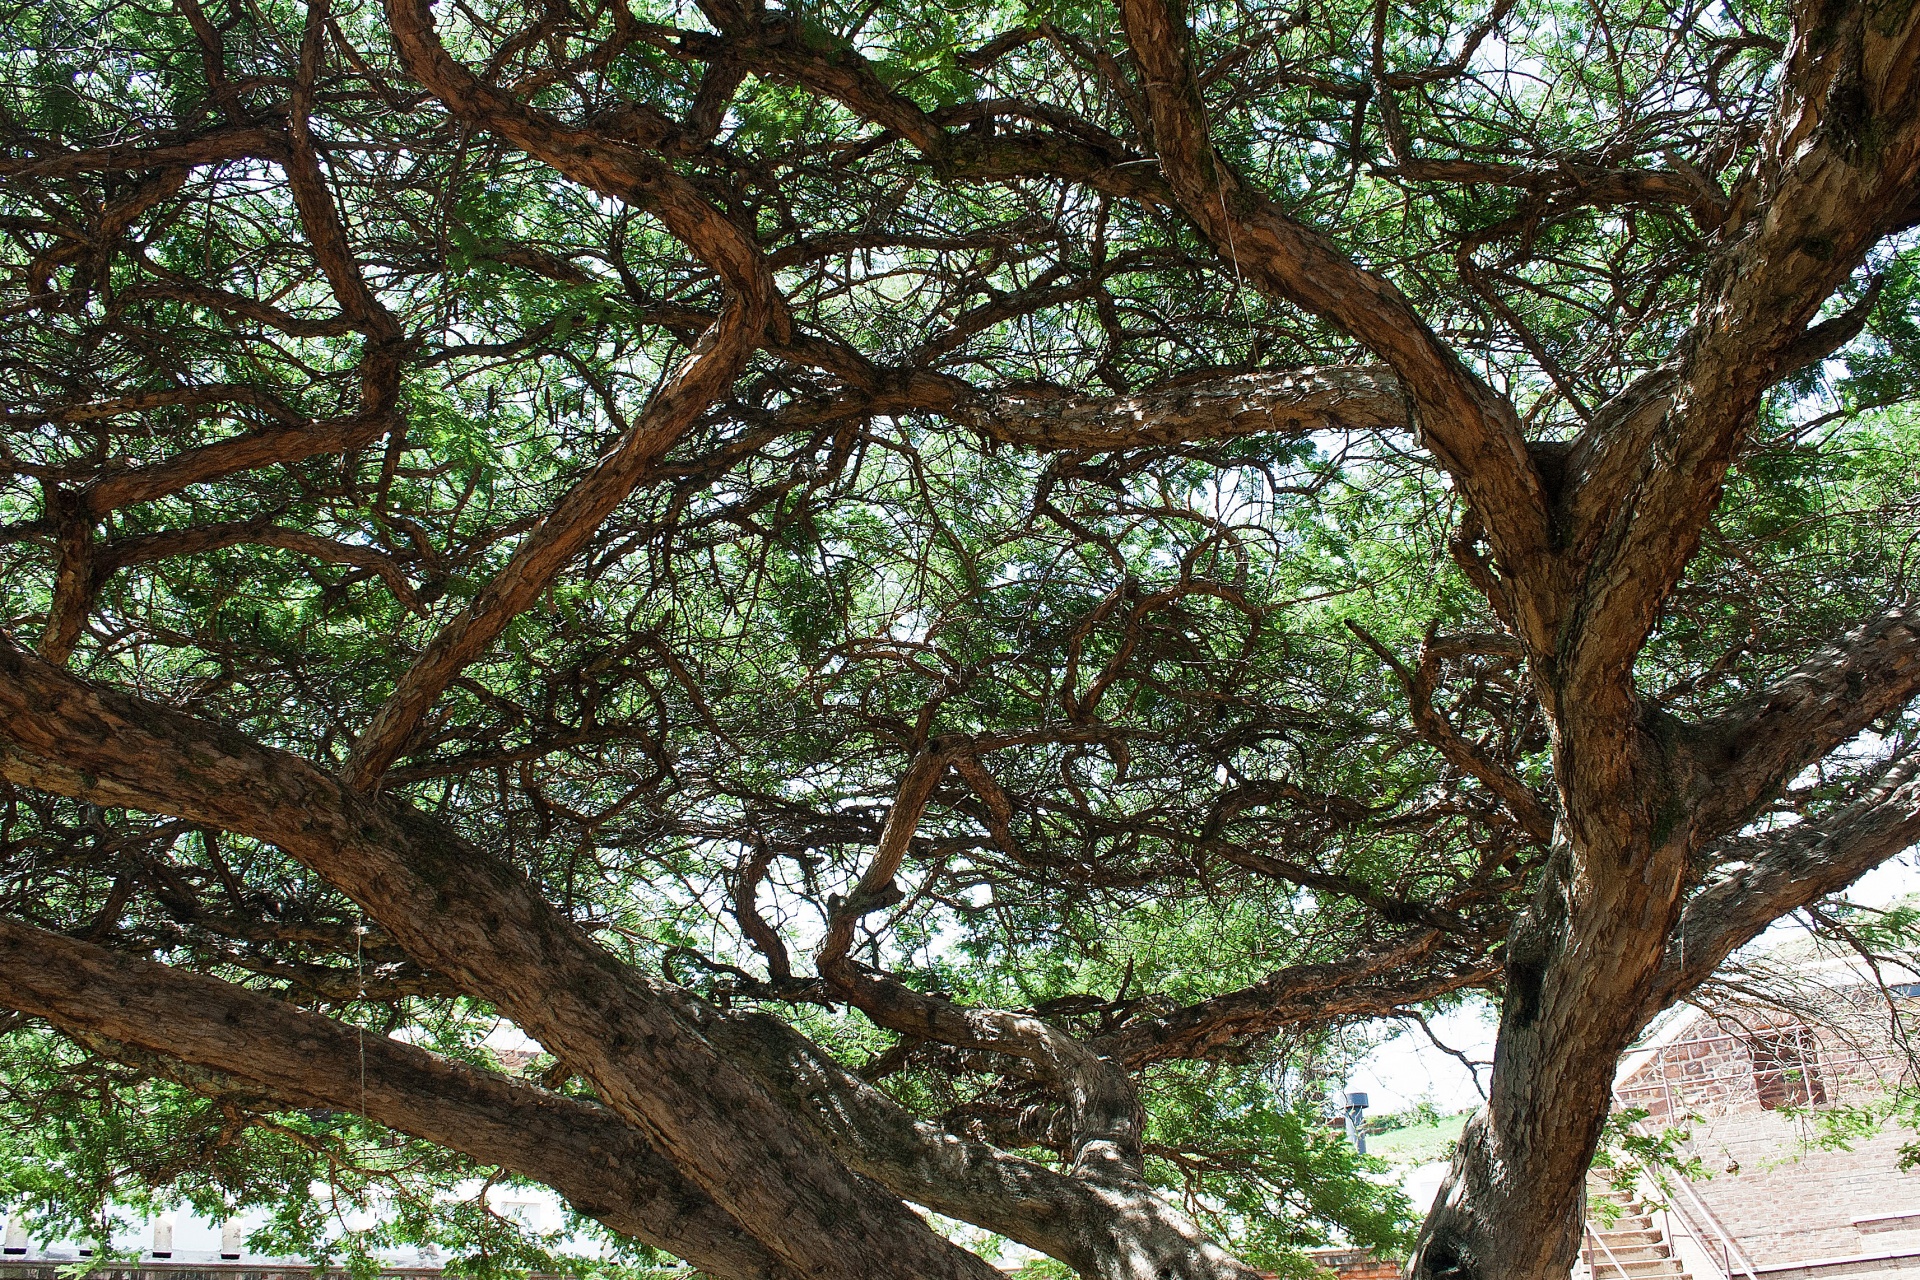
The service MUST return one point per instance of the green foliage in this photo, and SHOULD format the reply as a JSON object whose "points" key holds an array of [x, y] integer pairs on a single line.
{"points": [[88, 1146], [1422, 1114], [1630, 1153], [1211, 776], [1285, 1183]]}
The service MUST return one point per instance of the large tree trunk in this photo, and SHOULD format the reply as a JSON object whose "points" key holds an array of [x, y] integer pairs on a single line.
{"points": [[1611, 938], [1513, 1202], [1584, 544]]}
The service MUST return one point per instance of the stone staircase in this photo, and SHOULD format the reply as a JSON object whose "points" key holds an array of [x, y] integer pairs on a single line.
{"points": [[1632, 1246]]}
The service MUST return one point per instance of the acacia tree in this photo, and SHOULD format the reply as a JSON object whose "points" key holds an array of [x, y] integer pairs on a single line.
{"points": [[1133, 536]]}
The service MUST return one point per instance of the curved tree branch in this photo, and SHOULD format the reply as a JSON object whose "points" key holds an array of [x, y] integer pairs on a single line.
{"points": [[465, 914], [1784, 871], [1474, 434], [1739, 761], [299, 1059]]}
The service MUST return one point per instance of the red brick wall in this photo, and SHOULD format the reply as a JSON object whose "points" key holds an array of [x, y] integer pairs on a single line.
{"points": [[1787, 1204], [1754, 1059], [1355, 1264]]}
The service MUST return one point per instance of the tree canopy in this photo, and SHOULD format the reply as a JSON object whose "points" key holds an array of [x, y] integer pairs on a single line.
{"points": [[935, 599]]}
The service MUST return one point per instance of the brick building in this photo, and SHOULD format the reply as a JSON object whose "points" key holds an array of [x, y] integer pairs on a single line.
{"points": [[1756, 1088], [1355, 1264]]}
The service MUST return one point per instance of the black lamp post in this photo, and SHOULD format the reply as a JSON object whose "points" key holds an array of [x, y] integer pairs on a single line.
{"points": [[1356, 1110]]}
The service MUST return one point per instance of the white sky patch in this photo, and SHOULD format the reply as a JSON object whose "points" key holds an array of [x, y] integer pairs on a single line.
{"points": [[1408, 1069]]}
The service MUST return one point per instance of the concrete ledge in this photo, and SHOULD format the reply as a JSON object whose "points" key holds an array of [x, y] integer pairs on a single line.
{"points": [[1902, 1262]]}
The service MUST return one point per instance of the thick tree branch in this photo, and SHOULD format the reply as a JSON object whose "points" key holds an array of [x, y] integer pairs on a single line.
{"points": [[61, 735], [1072, 149], [1105, 1117], [314, 198], [1288, 403], [380, 379], [1786, 870], [1633, 496], [463, 913], [1572, 183], [299, 1059], [1842, 150], [215, 146], [1107, 1230], [1741, 760], [702, 376], [1474, 434], [145, 548], [623, 172], [613, 168], [1374, 984]]}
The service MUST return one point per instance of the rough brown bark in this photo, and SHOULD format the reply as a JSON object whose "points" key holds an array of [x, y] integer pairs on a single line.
{"points": [[1292, 402], [296, 1059], [1105, 1229], [1583, 555], [459, 912], [1639, 794], [721, 1078], [1586, 540]]}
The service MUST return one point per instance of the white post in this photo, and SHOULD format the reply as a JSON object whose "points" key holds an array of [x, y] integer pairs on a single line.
{"points": [[163, 1236], [16, 1234], [233, 1237]]}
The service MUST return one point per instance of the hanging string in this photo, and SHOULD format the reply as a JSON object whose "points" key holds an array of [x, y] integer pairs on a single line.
{"points": [[1233, 250], [360, 972]]}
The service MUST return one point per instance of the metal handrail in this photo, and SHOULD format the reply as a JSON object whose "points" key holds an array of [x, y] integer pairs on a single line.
{"points": [[1619, 1268], [1730, 1251]]}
